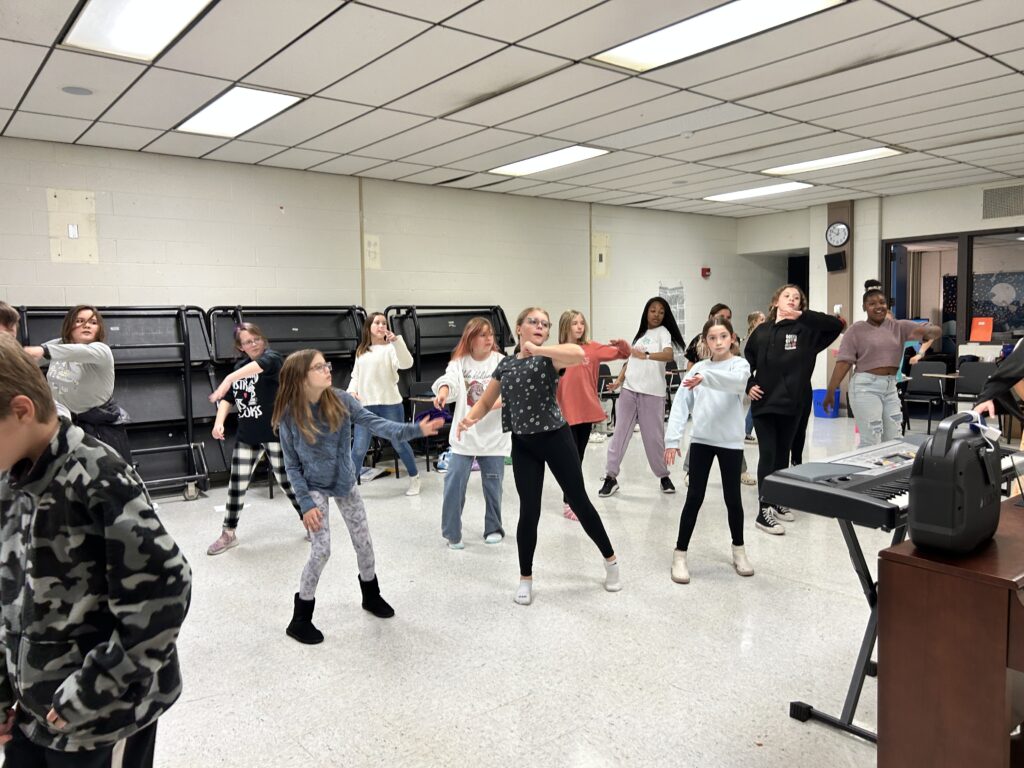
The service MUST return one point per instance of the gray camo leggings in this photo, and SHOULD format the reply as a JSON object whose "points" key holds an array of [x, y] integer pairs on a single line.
{"points": [[354, 514]]}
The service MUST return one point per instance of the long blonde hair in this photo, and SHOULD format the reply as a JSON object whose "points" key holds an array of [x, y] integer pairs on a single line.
{"points": [[565, 328], [291, 399], [753, 321], [365, 342]]}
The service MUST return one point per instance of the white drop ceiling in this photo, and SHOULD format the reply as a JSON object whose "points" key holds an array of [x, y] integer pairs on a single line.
{"points": [[438, 92]]}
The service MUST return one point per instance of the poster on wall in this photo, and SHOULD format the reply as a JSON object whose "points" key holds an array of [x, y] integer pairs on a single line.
{"points": [[673, 296], [1000, 295]]}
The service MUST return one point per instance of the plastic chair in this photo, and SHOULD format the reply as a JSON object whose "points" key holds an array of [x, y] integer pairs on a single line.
{"points": [[604, 375], [924, 389], [973, 377]]}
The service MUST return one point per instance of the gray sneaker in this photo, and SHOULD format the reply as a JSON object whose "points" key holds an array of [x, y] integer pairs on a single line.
{"points": [[224, 542]]}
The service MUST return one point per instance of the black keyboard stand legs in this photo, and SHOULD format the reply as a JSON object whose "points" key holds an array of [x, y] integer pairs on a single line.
{"points": [[865, 666]]}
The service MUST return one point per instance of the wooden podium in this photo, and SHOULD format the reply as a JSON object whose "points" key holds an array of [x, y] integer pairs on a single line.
{"points": [[951, 652]]}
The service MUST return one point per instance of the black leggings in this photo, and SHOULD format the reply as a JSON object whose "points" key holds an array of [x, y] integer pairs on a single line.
{"points": [[529, 455], [581, 436], [138, 753], [730, 462], [800, 437], [775, 433]]}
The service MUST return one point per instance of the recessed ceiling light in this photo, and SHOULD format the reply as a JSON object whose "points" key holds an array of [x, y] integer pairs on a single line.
{"points": [[833, 162], [549, 160], [773, 189], [132, 29], [236, 111], [725, 24], [76, 90]]}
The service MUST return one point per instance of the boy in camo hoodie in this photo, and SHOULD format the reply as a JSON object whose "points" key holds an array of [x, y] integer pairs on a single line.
{"points": [[93, 590]]}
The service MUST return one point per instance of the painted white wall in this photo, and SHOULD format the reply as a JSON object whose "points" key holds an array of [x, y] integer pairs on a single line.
{"points": [[943, 211], [786, 231]]}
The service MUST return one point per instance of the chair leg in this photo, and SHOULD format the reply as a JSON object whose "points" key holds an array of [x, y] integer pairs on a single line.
{"points": [[929, 417]]}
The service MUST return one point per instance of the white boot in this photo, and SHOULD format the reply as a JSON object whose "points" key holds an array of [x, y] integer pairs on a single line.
{"points": [[740, 562], [414, 486], [680, 573]]}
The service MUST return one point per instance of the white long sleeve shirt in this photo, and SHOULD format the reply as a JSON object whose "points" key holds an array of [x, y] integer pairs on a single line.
{"points": [[80, 375], [717, 405], [466, 380], [375, 373]]}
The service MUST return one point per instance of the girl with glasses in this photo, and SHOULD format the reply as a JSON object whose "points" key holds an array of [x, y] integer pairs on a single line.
{"points": [[642, 401], [379, 357], [81, 375], [251, 389], [464, 382], [526, 383], [314, 421]]}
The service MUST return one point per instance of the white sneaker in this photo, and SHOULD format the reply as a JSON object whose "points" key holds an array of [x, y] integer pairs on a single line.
{"points": [[611, 576], [493, 538], [748, 479], [740, 561], [783, 513], [524, 595], [597, 437], [414, 486], [680, 573]]}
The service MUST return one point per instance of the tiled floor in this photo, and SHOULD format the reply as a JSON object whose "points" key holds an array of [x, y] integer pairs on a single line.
{"points": [[658, 674]]}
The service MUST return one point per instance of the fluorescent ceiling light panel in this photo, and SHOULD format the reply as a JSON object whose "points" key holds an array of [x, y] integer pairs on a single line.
{"points": [[237, 111], [833, 162], [719, 26], [132, 29], [549, 160], [774, 189]]}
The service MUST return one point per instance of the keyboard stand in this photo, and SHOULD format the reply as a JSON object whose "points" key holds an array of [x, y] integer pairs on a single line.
{"points": [[864, 666]]}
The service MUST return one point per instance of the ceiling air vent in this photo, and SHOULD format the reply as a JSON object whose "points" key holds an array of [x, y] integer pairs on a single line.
{"points": [[1003, 201]]}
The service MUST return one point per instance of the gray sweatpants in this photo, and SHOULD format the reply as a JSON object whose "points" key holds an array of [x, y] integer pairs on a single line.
{"points": [[354, 514]]}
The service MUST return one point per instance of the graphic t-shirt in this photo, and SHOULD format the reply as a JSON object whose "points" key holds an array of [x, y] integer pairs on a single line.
{"points": [[253, 398], [466, 380], [528, 387]]}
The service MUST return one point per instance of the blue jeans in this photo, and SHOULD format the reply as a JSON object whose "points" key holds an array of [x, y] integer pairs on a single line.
{"points": [[876, 407], [748, 428], [492, 472], [361, 443]]}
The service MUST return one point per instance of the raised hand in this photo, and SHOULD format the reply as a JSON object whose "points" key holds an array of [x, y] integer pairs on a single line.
{"points": [[431, 426]]}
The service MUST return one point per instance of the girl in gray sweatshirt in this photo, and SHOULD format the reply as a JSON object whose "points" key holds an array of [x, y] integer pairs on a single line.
{"points": [[712, 392]]}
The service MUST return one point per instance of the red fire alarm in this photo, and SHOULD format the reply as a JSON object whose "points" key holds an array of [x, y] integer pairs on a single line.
{"points": [[705, 272]]}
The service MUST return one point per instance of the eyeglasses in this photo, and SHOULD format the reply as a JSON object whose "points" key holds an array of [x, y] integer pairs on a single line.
{"points": [[319, 367], [80, 321], [537, 322], [250, 343]]}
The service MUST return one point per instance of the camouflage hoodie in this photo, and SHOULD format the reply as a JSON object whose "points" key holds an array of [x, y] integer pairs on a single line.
{"points": [[93, 592]]}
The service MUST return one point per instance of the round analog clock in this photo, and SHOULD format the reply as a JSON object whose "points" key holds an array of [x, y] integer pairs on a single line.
{"points": [[837, 234]]}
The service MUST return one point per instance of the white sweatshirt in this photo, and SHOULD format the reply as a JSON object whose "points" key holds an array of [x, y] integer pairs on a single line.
{"points": [[375, 373], [466, 380], [717, 405]]}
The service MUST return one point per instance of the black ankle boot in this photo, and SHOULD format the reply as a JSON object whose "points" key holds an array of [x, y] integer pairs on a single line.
{"points": [[301, 627], [372, 601]]}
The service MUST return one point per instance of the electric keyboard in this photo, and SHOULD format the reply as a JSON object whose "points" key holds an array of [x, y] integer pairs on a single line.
{"points": [[869, 487]]}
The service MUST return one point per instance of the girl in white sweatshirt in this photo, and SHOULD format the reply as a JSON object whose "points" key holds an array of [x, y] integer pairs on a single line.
{"points": [[379, 357], [463, 382], [713, 393]]}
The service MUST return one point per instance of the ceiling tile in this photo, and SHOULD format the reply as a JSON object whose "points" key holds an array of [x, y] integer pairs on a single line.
{"points": [[106, 78], [812, 33], [305, 120], [298, 158], [238, 35], [474, 144], [186, 144], [28, 125], [20, 64], [243, 152], [842, 67], [1014, 59], [34, 21], [512, 21], [757, 131], [364, 130], [998, 144], [513, 153], [419, 139], [420, 61], [435, 10], [692, 122], [801, 150], [618, 160], [598, 178], [163, 99], [673, 105], [349, 39], [914, 136], [474, 181], [511, 184], [999, 40], [394, 171], [435, 176], [493, 75], [977, 17], [923, 7], [611, 98], [347, 165], [611, 24], [565, 84], [945, 115], [979, 134], [118, 136], [541, 189]]}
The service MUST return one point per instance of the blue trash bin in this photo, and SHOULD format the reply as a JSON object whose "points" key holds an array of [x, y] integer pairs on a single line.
{"points": [[819, 412]]}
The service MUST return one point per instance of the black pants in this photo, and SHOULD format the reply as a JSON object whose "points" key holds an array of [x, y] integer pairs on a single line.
{"points": [[580, 436], [800, 437], [730, 464], [19, 752], [775, 433], [529, 455]]}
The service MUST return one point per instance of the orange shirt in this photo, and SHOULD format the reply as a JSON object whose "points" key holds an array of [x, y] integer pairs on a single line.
{"points": [[577, 389]]}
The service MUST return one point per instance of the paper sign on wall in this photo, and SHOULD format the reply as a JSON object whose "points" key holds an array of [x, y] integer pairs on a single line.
{"points": [[371, 251], [72, 226]]}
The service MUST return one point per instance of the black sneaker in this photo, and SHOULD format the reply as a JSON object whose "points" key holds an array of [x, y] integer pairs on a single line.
{"points": [[609, 487], [666, 485], [766, 522]]}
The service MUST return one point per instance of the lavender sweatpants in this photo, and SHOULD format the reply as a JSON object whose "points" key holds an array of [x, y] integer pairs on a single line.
{"points": [[649, 411]]}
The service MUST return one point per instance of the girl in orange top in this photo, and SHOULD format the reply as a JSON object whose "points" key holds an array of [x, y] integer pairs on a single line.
{"points": [[578, 386]]}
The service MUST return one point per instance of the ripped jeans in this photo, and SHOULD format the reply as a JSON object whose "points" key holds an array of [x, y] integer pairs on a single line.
{"points": [[876, 407]]}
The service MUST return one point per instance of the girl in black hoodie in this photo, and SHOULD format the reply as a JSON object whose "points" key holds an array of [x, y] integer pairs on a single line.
{"points": [[782, 353]]}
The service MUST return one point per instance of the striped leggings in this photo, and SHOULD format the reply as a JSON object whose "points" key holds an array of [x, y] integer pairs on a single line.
{"points": [[243, 461]]}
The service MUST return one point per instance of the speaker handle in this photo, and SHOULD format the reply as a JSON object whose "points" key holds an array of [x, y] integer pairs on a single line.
{"points": [[943, 438]]}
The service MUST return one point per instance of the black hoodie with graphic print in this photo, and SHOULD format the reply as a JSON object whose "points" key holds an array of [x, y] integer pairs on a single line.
{"points": [[782, 357]]}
